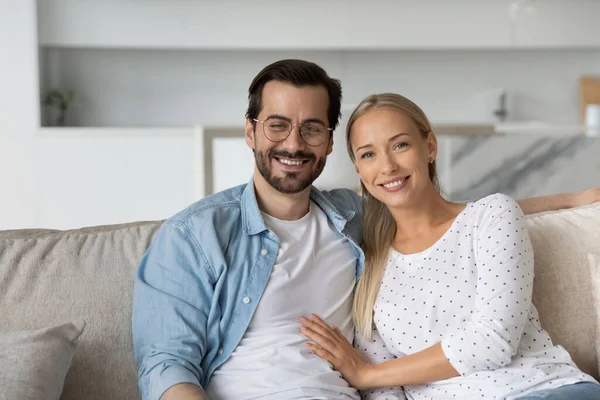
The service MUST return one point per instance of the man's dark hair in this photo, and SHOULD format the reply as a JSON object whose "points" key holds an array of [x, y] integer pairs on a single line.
{"points": [[298, 73]]}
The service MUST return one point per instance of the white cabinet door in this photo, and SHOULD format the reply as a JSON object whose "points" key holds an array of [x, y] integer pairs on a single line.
{"points": [[274, 24], [557, 24], [430, 24]]}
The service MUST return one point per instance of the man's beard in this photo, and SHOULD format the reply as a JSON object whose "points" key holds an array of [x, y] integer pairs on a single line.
{"points": [[290, 183]]}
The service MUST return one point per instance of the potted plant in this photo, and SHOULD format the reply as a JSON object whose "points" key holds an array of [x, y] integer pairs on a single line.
{"points": [[61, 101]]}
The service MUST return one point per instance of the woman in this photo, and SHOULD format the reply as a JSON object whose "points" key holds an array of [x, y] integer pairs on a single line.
{"points": [[443, 307]]}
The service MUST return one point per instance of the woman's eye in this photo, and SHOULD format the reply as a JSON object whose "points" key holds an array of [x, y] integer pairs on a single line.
{"points": [[367, 155], [400, 145]]}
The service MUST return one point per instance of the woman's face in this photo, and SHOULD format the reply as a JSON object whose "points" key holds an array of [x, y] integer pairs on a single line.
{"points": [[392, 157]]}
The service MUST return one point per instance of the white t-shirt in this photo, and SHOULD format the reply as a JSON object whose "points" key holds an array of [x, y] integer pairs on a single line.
{"points": [[471, 291], [314, 273]]}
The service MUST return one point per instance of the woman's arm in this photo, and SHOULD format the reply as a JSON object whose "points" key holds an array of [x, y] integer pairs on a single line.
{"points": [[559, 201], [427, 365], [488, 340], [374, 351]]}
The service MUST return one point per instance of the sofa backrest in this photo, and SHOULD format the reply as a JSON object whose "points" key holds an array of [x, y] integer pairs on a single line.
{"points": [[566, 290], [49, 277]]}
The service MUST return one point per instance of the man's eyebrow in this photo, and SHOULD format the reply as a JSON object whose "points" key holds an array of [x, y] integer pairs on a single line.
{"points": [[290, 120], [390, 140], [278, 117], [314, 120]]}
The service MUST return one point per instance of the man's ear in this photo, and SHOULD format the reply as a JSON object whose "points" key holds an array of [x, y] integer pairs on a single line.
{"points": [[249, 133], [330, 145]]}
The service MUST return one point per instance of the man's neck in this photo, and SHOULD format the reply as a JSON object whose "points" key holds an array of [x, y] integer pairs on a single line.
{"points": [[287, 207]]}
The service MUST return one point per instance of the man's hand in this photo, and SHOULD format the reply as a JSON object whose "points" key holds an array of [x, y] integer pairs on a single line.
{"points": [[587, 197], [559, 201], [184, 391]]}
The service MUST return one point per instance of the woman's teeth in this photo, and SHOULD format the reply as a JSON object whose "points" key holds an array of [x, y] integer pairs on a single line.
{"points": [[394, 184]]}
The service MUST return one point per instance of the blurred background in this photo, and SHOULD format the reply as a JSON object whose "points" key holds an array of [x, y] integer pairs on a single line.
{"points": [[122, 110]]}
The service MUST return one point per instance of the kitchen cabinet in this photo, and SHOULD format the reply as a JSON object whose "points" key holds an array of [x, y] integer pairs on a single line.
{"points": [[557, 24], [274, 25], [319, 25]]}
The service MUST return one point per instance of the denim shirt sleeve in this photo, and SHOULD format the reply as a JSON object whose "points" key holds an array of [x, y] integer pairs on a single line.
{"points": [[171, 303]]}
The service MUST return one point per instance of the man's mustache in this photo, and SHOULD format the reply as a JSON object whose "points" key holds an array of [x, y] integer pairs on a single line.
{"points": [[287, 154]]}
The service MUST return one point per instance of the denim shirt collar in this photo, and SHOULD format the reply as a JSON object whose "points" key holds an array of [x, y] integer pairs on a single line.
{"points": [[253, 223]]}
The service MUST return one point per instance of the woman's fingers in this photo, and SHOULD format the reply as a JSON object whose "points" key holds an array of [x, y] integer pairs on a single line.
{"points": [[324, 354], [333, 331], [320, 328], [315, 319], [322, 339]]}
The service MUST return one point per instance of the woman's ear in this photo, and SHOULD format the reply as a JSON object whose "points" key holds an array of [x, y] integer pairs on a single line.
{"points": [[432, 146]]}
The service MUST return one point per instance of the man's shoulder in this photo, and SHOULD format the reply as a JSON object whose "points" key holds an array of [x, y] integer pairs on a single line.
{"points": [[208, 208], [343, 199]]}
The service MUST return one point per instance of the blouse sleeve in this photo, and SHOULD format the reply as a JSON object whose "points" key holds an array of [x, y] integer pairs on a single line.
{"points": [[504, 264], [374, 351]]}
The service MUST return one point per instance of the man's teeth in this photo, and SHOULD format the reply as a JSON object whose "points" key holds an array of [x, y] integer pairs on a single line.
{"points": [[394, 184], [290, 162]]}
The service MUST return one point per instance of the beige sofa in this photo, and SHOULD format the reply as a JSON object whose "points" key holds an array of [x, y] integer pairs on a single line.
{"points": [[49, 277]]}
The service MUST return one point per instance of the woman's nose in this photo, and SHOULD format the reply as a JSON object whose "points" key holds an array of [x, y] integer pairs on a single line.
{"points": [[389, 163]]}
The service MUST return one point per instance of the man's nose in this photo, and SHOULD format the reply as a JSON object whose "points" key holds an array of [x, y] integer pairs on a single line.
{"points": [[294, 141]]}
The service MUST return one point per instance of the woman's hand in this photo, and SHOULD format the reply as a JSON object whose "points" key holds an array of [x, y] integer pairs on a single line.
{"points": [[333, 347]]}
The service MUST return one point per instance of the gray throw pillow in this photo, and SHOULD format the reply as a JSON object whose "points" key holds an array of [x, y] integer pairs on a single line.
{"points": [[34, 364]]}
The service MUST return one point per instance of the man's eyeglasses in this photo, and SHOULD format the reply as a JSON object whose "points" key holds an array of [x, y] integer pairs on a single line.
{"points": [[312, 132]]}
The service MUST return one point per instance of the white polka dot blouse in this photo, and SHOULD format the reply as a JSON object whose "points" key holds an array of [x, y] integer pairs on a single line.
{"points": [[471, 291]]}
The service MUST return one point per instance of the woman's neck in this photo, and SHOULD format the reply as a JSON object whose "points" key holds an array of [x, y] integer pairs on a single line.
{"points": [[424, 217]]}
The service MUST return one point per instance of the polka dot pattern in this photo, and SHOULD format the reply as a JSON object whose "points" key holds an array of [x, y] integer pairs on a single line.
{"points": [[471, 291]]}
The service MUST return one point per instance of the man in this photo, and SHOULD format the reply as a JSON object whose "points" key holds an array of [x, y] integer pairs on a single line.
{"points": [[219, 293]]}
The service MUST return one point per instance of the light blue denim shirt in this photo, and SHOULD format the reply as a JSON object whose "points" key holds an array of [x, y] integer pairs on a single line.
{"points": [[200, 281]]}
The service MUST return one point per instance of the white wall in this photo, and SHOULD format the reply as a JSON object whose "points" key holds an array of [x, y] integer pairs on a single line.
{"points": [[19, 112], [99, 177], [175, 87]]}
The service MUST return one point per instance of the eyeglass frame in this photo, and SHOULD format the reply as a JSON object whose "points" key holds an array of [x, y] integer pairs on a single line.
{"points": [[292, 125]]}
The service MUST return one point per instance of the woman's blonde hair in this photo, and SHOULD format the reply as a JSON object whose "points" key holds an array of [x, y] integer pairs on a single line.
{"points": [[379, 227]]}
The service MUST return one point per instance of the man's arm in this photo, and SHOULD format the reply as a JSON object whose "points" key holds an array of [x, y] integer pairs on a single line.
{"points": [[559, 201], [171, 302], [184, 391]]}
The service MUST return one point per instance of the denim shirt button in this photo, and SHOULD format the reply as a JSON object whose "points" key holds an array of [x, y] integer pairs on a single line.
{"points": [[246, 300], [220, 352], [264, 252]]}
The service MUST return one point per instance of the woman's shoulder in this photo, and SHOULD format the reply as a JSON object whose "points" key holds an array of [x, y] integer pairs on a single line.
{"points": [[495, 208], [495, 201]]}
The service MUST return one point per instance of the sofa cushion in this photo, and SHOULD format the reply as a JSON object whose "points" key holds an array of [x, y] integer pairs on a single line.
{"points": [[34, 363], [594, 260], [562, 289], [47, 277]]}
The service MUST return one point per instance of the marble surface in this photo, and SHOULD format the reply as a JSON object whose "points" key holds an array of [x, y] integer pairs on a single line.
{"points": [[517, 165]]}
